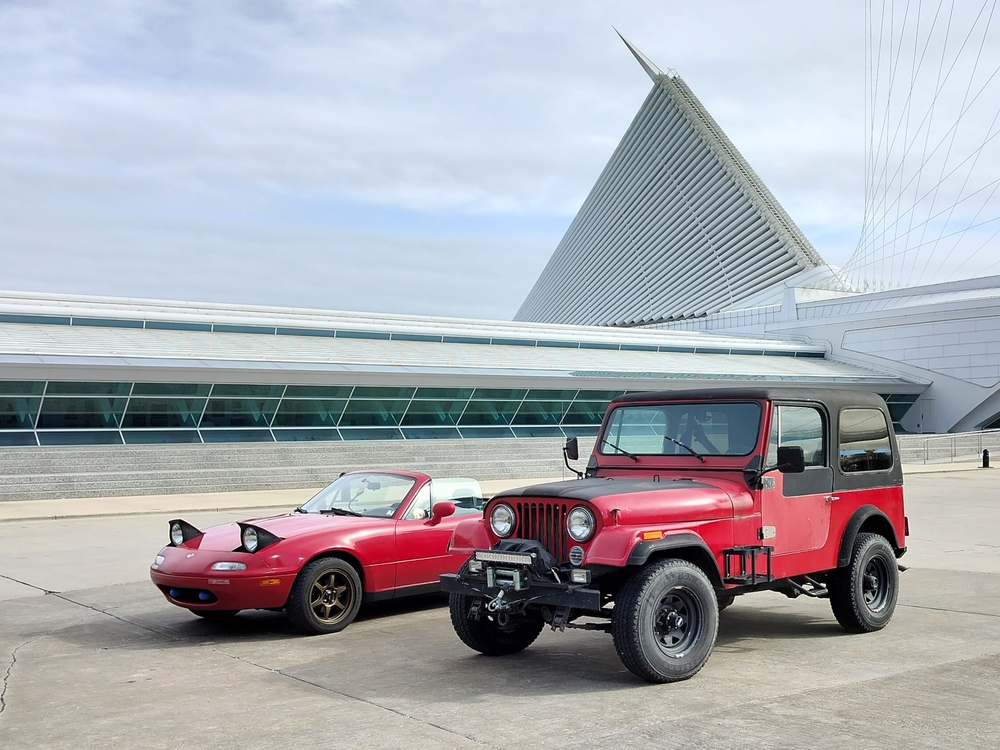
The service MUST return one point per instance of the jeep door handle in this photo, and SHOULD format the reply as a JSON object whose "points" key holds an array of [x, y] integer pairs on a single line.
{"points": [[831, 498]]}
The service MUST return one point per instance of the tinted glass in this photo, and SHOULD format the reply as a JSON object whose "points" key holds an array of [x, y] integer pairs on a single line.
{"points": [[88, 389], [499, 393], [363, 391], [238, 412], [585, 412], [864, 441], [541, 413], [22, 387], [260, 391], [711, 428], [171, 389], [80, 412], [18, 412], [489, 413], [163, 412], [434, 413], [374, 413], [800, 426], [318, 413], [318, 391], [443, 393]]}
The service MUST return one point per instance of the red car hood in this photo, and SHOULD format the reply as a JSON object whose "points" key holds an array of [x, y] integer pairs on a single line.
{"points": [[227, 536]]}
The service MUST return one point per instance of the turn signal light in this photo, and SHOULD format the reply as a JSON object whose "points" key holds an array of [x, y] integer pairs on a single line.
{"points": [[270, 582], [648, 536]]}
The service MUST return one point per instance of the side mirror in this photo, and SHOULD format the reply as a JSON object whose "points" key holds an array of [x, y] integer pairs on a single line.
{"points": [[791, 459], [441, 510], [572, 449]]}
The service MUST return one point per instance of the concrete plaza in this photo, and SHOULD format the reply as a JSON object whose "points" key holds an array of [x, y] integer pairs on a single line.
{"points": [[92, 656]]}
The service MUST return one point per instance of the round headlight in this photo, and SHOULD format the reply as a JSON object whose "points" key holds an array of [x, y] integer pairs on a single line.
{"points": [[176, 534], [250, 541], [580, 524], [502, 520]]}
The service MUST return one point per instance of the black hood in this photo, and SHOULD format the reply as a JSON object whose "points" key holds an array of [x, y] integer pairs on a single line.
{"points": [[593, 488]]}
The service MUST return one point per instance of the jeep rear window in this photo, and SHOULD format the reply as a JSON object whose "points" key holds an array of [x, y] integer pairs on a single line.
{"points": [[864, 441], [710, 428]]}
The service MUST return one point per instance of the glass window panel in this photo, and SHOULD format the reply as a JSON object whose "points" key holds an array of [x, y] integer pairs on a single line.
{"points": [[317, 413], [465, 340], [239, 412], [18, 412], [237, 436], [171, 389], [287, 436], [864, 441], [318, 391], [604, 396], [363, 335], [800, 426], [223, 328], [536, 394], [163, 412], [80, 437], [14, 437], [444, 393], [487, 432], [489, 413], [367, 391], [541, 412], [169, 325], [80, 413], [585, 412], [499, 394], [258, 391], [149, 437], [371, 434], [42, 320], [431, 433], [433, 413], [22, 387], [88, 389], [373, 413]]}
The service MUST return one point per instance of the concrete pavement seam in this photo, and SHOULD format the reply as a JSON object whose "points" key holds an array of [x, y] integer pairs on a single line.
{"points": [[955, 611], [10, 669], [29, 585]]}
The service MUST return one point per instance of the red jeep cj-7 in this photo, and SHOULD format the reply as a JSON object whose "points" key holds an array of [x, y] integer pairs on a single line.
{"points": [[689, 500]]}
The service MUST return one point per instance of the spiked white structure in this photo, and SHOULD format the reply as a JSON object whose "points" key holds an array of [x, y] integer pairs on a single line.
{"points": [[677, 226]]}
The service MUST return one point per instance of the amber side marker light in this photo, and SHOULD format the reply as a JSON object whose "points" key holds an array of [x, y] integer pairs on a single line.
{"points": [[270, 582], [648, 536]]}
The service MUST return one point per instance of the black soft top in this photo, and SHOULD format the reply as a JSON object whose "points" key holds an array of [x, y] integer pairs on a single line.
{"points": [[834, 398]]}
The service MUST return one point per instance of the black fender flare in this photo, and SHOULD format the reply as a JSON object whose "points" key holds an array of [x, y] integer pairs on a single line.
{"points": [[857, 520], [642, 551]]}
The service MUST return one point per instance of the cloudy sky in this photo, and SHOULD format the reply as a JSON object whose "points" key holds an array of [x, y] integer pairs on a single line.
{"points": [[407, 157]]}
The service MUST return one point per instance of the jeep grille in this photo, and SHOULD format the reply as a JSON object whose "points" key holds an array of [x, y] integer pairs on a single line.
{"points": [[544, 522]]}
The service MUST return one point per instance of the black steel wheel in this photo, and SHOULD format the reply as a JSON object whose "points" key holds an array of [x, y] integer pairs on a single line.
{"points": [[491, 634], [215, 615], [863, 595], [665, 621], [325, 597]]}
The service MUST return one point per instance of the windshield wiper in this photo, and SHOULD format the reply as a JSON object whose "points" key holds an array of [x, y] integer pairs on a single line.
{"points": [[688, 448], [301, 510], [621, 450], [341, 512]]}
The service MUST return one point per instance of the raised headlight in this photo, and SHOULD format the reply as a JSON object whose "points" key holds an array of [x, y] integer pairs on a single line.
{"points": [[176, 534], [250, 541], [502, 520], [580, 524]]}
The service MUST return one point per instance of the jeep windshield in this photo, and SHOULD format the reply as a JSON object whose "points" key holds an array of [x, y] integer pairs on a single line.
{"points": [[682, 429]]}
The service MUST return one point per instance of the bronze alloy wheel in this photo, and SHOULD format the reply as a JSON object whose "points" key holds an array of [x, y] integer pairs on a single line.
{"points": [[325, 597], [331, 596]]}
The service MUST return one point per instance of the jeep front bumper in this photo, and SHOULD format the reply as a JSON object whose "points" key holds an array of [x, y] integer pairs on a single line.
{"points": [[512, 580]]}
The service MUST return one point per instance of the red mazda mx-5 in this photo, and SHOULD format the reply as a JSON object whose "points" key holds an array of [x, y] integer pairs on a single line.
{"points": [[370, 535]]}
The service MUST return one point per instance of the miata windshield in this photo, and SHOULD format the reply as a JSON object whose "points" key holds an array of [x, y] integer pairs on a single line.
{"points": [[362, 494]]}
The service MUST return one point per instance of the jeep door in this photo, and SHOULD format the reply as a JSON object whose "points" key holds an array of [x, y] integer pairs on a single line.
{"points": [[795, 508]]}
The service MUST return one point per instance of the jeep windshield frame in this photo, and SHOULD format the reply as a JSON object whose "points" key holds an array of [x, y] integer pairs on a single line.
{"points": [[694, 429]]}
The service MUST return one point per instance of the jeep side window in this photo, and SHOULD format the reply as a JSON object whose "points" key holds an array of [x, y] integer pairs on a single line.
{"points": [[864, 441], [801, 426]]}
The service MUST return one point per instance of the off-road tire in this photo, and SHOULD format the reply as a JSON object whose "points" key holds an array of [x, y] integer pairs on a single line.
{"points": [[644, 623], [325, 597], [485, 635], [863, 594], [215, 615]]}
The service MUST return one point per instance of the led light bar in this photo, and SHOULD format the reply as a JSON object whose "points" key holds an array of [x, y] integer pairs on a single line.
{"points": [[504, 558]]}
